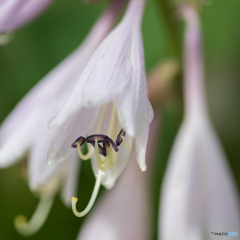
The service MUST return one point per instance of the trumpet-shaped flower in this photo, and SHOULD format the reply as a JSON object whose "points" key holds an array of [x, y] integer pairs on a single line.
{"points": [[26, 127], [15, 13], [124, 211], [110, 95], [198, 195]]}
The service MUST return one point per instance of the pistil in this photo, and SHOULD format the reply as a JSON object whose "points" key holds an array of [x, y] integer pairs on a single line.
{"points": [[92, 199]]}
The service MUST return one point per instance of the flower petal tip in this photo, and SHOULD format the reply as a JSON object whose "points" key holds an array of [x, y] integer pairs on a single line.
{"points": [[143, 167]]}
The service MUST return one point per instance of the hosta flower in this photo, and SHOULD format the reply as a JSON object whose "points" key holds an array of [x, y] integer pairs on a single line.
{"points": [[26, 126], [15, 13], [198, 195], [110, 95], [124, 211]]}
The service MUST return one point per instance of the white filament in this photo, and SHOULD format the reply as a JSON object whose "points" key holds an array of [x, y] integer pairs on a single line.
{"points": [[84, 156]]}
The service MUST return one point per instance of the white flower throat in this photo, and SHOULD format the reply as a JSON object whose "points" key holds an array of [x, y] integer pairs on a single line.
{"points": [[109, 150]]}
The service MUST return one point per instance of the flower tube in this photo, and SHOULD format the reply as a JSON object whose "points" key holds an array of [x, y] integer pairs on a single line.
{"points": [[198, 196]]}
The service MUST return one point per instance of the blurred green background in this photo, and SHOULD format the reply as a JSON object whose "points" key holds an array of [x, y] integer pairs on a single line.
{"points": [[41, 45]]}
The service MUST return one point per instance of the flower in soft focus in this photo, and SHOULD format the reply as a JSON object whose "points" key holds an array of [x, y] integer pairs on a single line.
{"points": [[26, 127], [124, 212], [110, 95], [16, 13], [198, 195]]}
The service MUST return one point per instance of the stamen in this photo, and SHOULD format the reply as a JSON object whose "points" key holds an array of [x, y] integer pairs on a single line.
{"points": [[84, 156], [114, 146], [116, 130], [81, 140], [120, 136], [110, 159], [102, 150], [39, 217], [102, 164], [92, 199], [128, 146], [100, 137], [120, 139]]}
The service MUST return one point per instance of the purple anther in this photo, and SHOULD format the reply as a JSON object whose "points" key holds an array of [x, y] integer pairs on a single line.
{"points": [[106, 145], [120, 137], [114, 146], [101, 149], [80, 141], [100, 137]]}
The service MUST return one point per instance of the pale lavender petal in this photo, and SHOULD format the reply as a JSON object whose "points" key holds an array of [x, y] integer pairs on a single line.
{"points": [[114, 68], [175, 194], [48, 95], [142, 140], [81, 124], [41, 174], [18, 140], [16, 133], [198, 194], [39, 171], [130, 107], [223, 210], [99, 31], [15, 13]]}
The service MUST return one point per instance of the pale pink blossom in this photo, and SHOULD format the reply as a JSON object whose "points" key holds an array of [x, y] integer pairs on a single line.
{"points": [[25, 129], [199, 194], [110, 94]]}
